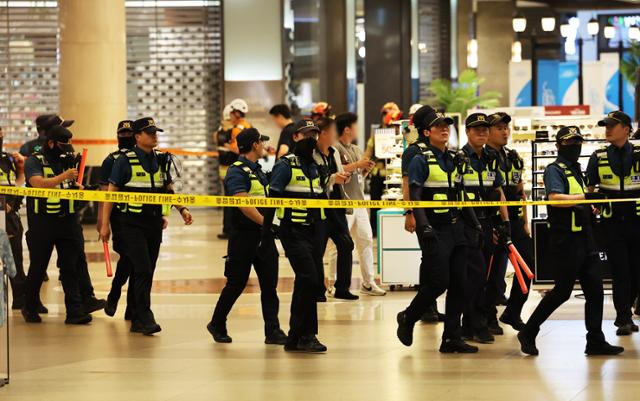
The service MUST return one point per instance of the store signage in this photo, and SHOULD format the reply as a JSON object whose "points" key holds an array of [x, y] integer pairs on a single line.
{"points": [[577, 110]]}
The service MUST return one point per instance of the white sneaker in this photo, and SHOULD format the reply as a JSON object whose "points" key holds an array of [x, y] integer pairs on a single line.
{"points": [[331, 292], [372, 289]]}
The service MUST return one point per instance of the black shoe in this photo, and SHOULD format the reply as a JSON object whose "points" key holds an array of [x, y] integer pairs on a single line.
{"points": [[430, 316], [634, 327], [321, 298], [513, 321], [136, 326], [306, 344], [78, 319], [223, 236], [17, 303], [345, 294], [494, 328], [450, 346], [603, 348], [93, 304], [219, 334], [128, 313], [111, 307], [527, 344], [41, 309], [624, 330], [30, 316], [483, 336], [276, 337], [405, 329], [150, 328], [467, 333]]}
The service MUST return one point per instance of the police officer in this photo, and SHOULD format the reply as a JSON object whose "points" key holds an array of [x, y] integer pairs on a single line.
{"points": [[52, 223], [126, 141], [615, 170], [301, 233], [36, 144], [142, 169], [414, 148], [511, 166], [570, 247], [247, 246], [433, 176], [12, 174], [482, 181]]}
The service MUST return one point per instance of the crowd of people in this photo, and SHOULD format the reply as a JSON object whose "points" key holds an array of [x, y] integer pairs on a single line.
{"points": [[465, 251]]}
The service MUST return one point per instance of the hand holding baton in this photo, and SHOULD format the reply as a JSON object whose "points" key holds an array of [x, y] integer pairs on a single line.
{"points": [[83, 163]]}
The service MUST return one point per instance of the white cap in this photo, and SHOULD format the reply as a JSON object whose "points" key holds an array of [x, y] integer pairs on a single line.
{"points": [[239, 105]]}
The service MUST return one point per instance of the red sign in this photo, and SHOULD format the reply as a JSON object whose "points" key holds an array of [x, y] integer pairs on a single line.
{"points": [[578, 110]]}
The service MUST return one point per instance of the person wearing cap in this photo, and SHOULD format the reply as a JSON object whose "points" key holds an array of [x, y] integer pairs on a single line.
{"points": [[297, 176], [247, 246], [571, 249], [12, 174], [53, 223], [336, 226], [482, 182], [419, 121], [43, 123], [511, 166], [238, 109], [615, 171], [142, 169], [126, 141], [434, 176]]}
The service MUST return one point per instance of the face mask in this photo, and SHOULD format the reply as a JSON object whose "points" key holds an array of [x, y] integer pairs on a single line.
{"points": [[126, 142], [570, 152], [305, 147]]}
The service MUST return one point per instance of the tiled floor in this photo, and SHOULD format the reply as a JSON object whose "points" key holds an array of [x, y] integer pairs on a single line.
{"points": [[103, 361]]}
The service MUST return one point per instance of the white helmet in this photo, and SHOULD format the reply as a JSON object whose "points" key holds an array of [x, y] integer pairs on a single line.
{"points": [[414, 108], [239, 105], [226, 112]]}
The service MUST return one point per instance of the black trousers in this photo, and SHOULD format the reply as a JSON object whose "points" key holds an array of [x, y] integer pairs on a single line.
{"points": [[337, 228], [242, 253], [445, 270], [65, 234], [524, 244], [478, 255], [15, 231], [376, 189], [303, 248], [124, 266], [621, 245], [143, 236], [572, 258]]}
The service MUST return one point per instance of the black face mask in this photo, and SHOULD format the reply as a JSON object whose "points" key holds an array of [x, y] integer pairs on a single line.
{"points": [[59, 149], [570, 152], [126, 142], [305, 147]]}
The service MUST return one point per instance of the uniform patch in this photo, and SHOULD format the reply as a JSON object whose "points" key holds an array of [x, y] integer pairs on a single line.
{"points": [[299, 178], [140, 174], [635, 179], [491, 175], [516, 177], [607, 176]]}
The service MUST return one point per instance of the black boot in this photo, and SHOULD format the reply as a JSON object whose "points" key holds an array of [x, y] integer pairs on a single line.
{"points": [[513, 321], [31, 316], [219, 334], [602, 348], [527, 343], [276, 337], [456, 346], [405, 329], [92, 304], [78, 319]]}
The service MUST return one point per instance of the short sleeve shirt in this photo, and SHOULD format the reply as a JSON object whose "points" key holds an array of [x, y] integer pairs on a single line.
{"points": [[121, 172], [281, 174], [237, 181], [419, 168], [555, 180], [479, 163], [620, 160], [286, 137], [409, 153]]}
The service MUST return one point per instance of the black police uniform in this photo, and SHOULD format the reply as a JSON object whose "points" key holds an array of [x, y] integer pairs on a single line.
{"points": [[481, 180], [433, 176], [616, 173], [123, 268], [571, 254], [53, 223], [8, 175], [511, 167], [301, 234], [337, 229], [247, 247]]}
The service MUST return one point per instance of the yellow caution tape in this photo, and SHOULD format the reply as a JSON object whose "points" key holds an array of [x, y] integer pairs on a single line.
{"points": [[237, 201]]}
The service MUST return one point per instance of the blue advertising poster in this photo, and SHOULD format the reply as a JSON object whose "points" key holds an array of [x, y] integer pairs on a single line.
{"points": [[568, 76], [548, 83], [524, 97]]}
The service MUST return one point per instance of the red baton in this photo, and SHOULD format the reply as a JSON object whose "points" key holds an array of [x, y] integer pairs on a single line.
{"points": [[83, 163], [521, 261], [516, 268], [107, 258]]}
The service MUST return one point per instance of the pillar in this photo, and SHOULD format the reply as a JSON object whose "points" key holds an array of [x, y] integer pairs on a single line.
{"points": [[92, 74]]}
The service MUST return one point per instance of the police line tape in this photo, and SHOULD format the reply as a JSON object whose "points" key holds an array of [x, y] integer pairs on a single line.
{"points": [[237, 201]]}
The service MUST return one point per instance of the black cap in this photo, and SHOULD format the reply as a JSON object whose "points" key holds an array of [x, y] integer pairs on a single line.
{"points": [[305, 125], [434, 118], [570, 132], [125, 125], [55, 120], [41, 120], [615, 117], [477, 120], [420, 116], [59, 133], [247, 137], [145, 124], [499, 117]]}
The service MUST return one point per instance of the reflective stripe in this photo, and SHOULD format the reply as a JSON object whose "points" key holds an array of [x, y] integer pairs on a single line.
{"points": [[141, 180], [300, 184], [52, 205]]}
